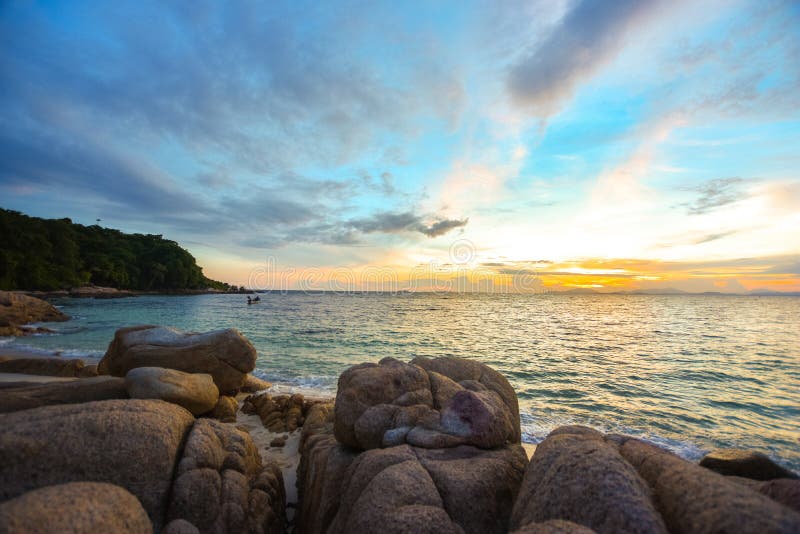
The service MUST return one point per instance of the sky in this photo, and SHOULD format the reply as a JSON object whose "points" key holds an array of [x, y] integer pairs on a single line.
{"points": [[494, 146]]}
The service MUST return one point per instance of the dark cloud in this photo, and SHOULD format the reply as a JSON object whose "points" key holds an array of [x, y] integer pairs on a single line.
{"points": [[394, 222], [715, 194], [588, 37]]}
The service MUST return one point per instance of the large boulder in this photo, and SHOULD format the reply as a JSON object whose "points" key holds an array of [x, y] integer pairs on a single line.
{"points": [[28, 396], [391, 403], [194, 391], [78, 507], [134, 444], [575, 475], [44, 366], [221, 485], [744, 463], [17, 309], [693, 499], [402, 488], [224, 354]]}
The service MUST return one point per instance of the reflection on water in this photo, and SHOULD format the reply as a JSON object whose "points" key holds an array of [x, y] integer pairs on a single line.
{"points": [[689, 372]]}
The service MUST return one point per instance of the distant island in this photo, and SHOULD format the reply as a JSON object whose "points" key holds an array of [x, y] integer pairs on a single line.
{"points": [[51, 254]]}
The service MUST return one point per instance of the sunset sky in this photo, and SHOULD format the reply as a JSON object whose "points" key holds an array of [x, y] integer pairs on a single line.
{"points": [[539, 145]]}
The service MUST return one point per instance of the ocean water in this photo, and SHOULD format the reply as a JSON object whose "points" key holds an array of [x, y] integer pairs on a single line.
{"points": [[686, 372]]}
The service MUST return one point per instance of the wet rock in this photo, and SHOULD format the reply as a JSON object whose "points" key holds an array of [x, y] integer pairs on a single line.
{"points": [[225, 409], [194, 391], [575, 475], [29, 396], [134, 444], [253, 384], [744, 463], [221, 484], [694, 499], [17, 309], [390, 403], [224, 354], [43, 366], [80, 507], [280, 441]]}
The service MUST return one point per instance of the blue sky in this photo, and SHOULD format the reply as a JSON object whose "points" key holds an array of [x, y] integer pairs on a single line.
{"points": [[629, 144]]}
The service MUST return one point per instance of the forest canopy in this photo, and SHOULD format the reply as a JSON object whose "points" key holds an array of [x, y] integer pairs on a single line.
{"points": [[50, 254]]}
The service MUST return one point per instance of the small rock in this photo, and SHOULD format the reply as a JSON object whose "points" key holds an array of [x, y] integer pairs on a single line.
{"points": [[225, 409], [280, 441], [253, 384], [744, 463]]}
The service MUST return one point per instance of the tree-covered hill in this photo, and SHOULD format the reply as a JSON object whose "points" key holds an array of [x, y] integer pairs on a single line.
{"points": [[49, 254]]}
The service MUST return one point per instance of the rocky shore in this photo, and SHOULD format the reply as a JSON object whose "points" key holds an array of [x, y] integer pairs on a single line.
{"points": [[175, 435]]}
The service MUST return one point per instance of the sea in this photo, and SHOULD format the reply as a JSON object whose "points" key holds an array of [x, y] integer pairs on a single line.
{"points": [[687, 372]]}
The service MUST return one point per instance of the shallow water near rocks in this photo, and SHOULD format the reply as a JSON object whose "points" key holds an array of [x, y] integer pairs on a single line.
{"points": [[687, 372]]}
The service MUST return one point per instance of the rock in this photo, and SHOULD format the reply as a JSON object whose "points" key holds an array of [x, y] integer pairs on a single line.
{"points": [[783, 490], [478, 487], [195, 392], [253, 384], [224, 354], [368, 385], [694, 499], [744, 463], [403, 488], [180, 526], [99, 292], [280, 441], [88, 371], [43, 366], [279, 413], [79, 507], [222, 486], [17, 309], [131, 443], [225, 409], [554, 526], [580, 477], [70, 392], [461, 370], [390, 403]]}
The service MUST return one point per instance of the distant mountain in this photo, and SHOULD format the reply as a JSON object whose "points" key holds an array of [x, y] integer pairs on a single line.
{"points": [[657, 291], [763, 292]]}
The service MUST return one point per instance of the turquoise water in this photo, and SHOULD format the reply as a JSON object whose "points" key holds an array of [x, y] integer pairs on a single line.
{"points": [[687, 372]]}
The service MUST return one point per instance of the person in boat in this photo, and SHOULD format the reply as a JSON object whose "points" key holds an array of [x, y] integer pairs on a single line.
{"points": [[249, 301]]}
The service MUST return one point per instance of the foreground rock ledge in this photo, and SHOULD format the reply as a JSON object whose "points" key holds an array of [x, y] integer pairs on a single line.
{"points": [[187, 475], [226, 355]]}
